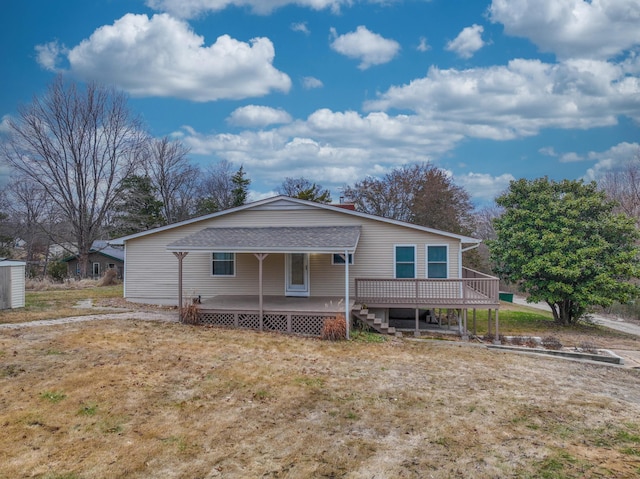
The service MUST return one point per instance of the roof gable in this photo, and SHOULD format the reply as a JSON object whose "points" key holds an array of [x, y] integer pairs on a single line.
{"points": [[286, 203]]}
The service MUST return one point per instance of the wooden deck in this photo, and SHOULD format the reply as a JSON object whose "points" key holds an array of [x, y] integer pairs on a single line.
{"points": [[474, 290]]}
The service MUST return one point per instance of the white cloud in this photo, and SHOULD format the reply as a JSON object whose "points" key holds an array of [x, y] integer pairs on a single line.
{"points": [[336, 147], [547, 151], [423, 46], [597, 29], [309, 83], [48, 55], [571, 158], [300, 27], [368, 47], [483, 187], [194, 8], [468, 41], [614, 158], [258, 116], [162, 56], [519, 99], [4, 124]]}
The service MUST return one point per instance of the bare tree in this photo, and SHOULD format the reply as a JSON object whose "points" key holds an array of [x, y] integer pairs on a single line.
{"points": [[485, 231], [216, 188], [390, 197], [420, 194], [31, 212], [7, 230], [304, 189], [78, 145], [623, 186], [174, 178]]}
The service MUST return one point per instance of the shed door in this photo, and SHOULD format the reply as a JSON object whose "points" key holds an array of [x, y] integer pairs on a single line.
{"points": [[5, 288], [297, 265]]}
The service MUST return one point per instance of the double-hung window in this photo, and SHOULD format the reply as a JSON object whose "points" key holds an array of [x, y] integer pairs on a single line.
{"points": [[223, 264], [437, 263], [405, 261]]}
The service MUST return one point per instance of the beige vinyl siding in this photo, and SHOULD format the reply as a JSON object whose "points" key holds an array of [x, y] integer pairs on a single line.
{"points": [[152, 272]]}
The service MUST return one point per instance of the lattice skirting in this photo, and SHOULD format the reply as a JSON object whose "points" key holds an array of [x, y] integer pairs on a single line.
{"points": [[307, 324]]}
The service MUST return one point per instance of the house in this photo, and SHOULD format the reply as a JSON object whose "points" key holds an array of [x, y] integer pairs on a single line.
{"points": [[286, 264], [12, 284], [102, 257]]}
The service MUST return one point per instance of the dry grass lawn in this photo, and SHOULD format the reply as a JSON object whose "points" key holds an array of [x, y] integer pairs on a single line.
{"points": [[116, 399]]}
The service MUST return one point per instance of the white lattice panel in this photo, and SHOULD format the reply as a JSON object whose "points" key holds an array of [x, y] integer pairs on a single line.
{"points": [[307, 324], [249, 320], [275, 322]]}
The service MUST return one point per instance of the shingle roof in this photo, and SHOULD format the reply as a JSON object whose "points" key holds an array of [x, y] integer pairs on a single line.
{"points": [[317, 239]]}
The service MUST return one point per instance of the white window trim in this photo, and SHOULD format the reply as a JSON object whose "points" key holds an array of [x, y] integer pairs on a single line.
{"points": [[426, 259], [333, 258], [415, 260], [235, 266], [93, 269]]}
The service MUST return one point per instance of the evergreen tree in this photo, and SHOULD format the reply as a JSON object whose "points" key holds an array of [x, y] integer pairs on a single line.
{"points": [[137, 208], [562, 243], [240, 187]]}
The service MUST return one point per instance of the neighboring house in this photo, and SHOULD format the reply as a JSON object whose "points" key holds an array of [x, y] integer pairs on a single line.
{"points": [[12, 284], [102, 256], [279, 264]]}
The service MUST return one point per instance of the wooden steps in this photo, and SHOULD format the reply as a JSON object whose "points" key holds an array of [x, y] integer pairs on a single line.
{"points": [[372, 320]]}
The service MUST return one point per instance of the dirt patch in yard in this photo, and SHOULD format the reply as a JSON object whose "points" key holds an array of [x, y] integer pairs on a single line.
{"points": [[147, 399]]}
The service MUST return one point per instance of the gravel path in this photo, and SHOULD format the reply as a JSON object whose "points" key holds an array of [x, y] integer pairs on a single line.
{"points": [[139, 315]]}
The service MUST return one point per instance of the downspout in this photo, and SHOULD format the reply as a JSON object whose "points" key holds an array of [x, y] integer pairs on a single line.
{"points": [[347, 311]]}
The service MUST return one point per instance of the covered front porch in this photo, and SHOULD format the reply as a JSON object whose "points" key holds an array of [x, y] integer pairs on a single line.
{"points": [[297, 311]]}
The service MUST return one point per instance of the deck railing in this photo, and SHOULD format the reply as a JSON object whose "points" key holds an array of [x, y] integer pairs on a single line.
{"points": [[474, 289]]}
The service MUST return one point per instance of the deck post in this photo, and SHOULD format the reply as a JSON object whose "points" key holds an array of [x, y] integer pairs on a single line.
{"points": [[465, 330], [180, 255], [347, 311], [497, 336], [261, 257], [475, 330], [489, 322], [417, 332]]}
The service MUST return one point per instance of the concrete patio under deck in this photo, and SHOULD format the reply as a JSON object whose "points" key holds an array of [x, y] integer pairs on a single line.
{"points": [[293, 304]]}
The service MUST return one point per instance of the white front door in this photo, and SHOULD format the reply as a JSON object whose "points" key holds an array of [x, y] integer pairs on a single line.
{"points": [[297, 276]]}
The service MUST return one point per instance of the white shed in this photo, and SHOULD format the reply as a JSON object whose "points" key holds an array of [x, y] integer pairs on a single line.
{"points": [[11, 284]]}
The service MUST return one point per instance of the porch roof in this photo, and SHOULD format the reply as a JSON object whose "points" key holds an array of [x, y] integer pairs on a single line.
{"points": [[278, 239]]}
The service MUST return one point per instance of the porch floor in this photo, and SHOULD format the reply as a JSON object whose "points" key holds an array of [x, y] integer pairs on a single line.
{"points": [[316, 304]]}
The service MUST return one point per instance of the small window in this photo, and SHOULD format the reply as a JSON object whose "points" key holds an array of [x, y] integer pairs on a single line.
{"points": [[405, 261], [338, 258], [111, 266], [223, 264], [437, 264], [96, 270]]}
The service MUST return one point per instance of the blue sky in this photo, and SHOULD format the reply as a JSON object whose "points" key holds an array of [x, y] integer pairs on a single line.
{"points": [[335, 90]]}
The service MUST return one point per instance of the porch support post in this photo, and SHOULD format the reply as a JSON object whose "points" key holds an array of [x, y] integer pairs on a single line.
{"points": [[261, 257], [180, 255], [347, 307], [417, 331], [497, 337]]}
